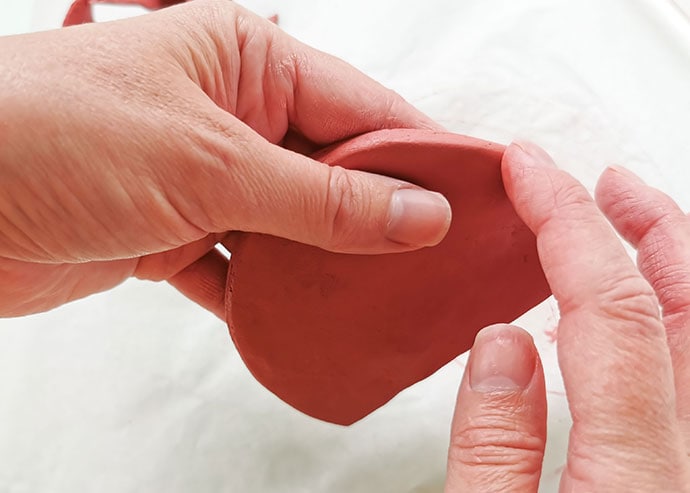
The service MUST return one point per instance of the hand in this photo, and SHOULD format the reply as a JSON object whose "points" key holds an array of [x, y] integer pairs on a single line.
{"points": [[130, 148], [626, 369]]}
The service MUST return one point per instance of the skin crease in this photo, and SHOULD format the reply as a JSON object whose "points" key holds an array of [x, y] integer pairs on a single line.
{"points": [[131, 148], [624, 365]]}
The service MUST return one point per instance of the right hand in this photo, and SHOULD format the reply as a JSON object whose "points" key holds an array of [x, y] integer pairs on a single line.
{"points": [[626, 368]]}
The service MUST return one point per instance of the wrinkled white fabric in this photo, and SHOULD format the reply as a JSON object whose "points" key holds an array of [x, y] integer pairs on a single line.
{"points": [[139, 390]]}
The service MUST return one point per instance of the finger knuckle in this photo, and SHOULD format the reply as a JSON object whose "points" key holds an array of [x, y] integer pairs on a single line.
{"points": [[216, 7], [572, 205], [629, 299], [670, 277], [343, 197], [592, 464], [563, 201], [393, 103], [569, 193], [497, 446]]}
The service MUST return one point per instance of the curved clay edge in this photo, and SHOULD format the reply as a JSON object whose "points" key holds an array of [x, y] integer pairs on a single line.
{"points": [[363, 144]]}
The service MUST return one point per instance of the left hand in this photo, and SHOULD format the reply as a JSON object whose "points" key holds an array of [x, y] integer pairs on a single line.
{"points": [[131, 148]]}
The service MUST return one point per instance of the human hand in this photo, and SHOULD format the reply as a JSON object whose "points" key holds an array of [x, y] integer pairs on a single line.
{"points": [[131, 148], [625, 368]]}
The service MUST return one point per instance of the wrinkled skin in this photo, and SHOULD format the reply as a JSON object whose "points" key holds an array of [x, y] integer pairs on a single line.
{"points": [[131, 148], [625, 366]]}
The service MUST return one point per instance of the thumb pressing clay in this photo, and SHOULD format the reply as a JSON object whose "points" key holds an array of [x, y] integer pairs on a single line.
{"points": [[337, 336]]}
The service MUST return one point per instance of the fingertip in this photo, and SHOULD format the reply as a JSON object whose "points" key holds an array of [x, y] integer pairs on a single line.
{"points": [[620, 172], [632, 206], [521, 160], [532, 154], [513, 158], [613, 181], [526, 154], [499, 428], [612, 192], [417, 218], [503, 359], [499, 329]]}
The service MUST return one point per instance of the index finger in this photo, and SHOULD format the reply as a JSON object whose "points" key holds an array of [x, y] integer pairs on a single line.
{"points": [[612, 350], [333, 100], [284, 84]]}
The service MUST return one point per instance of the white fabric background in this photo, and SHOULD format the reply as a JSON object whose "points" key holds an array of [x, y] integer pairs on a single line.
{"points": [[139, 390]]}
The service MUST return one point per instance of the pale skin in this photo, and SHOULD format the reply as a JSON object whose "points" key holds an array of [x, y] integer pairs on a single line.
{"points": [[625, 364], [132, 148]]}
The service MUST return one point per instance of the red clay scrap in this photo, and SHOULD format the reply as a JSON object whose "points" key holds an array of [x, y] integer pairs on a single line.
{"points": [[80, 10]]}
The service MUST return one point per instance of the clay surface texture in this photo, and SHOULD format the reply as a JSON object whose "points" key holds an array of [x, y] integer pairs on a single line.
{"points": [[337, 336]]}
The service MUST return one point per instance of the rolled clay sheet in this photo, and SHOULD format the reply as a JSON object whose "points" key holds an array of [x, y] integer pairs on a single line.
{"points": [[337, 336]]}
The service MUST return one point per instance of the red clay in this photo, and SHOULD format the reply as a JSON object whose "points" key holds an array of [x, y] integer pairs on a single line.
{"points": [[80, 10], [337, 336]]}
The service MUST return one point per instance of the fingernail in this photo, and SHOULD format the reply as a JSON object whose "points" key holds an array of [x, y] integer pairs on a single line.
{"points": [[417, 217], [626, 172], [538, 157], [503, 359]]}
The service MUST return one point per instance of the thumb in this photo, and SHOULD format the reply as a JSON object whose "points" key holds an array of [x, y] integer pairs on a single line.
{"points": [[292, 196], [499, 428]]}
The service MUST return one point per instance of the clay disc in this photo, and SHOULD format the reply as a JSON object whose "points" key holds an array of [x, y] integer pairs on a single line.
{"points": [[337, 336]]}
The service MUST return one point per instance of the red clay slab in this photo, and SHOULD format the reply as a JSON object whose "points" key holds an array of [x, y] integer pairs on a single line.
{"points": [[337, 336]]}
